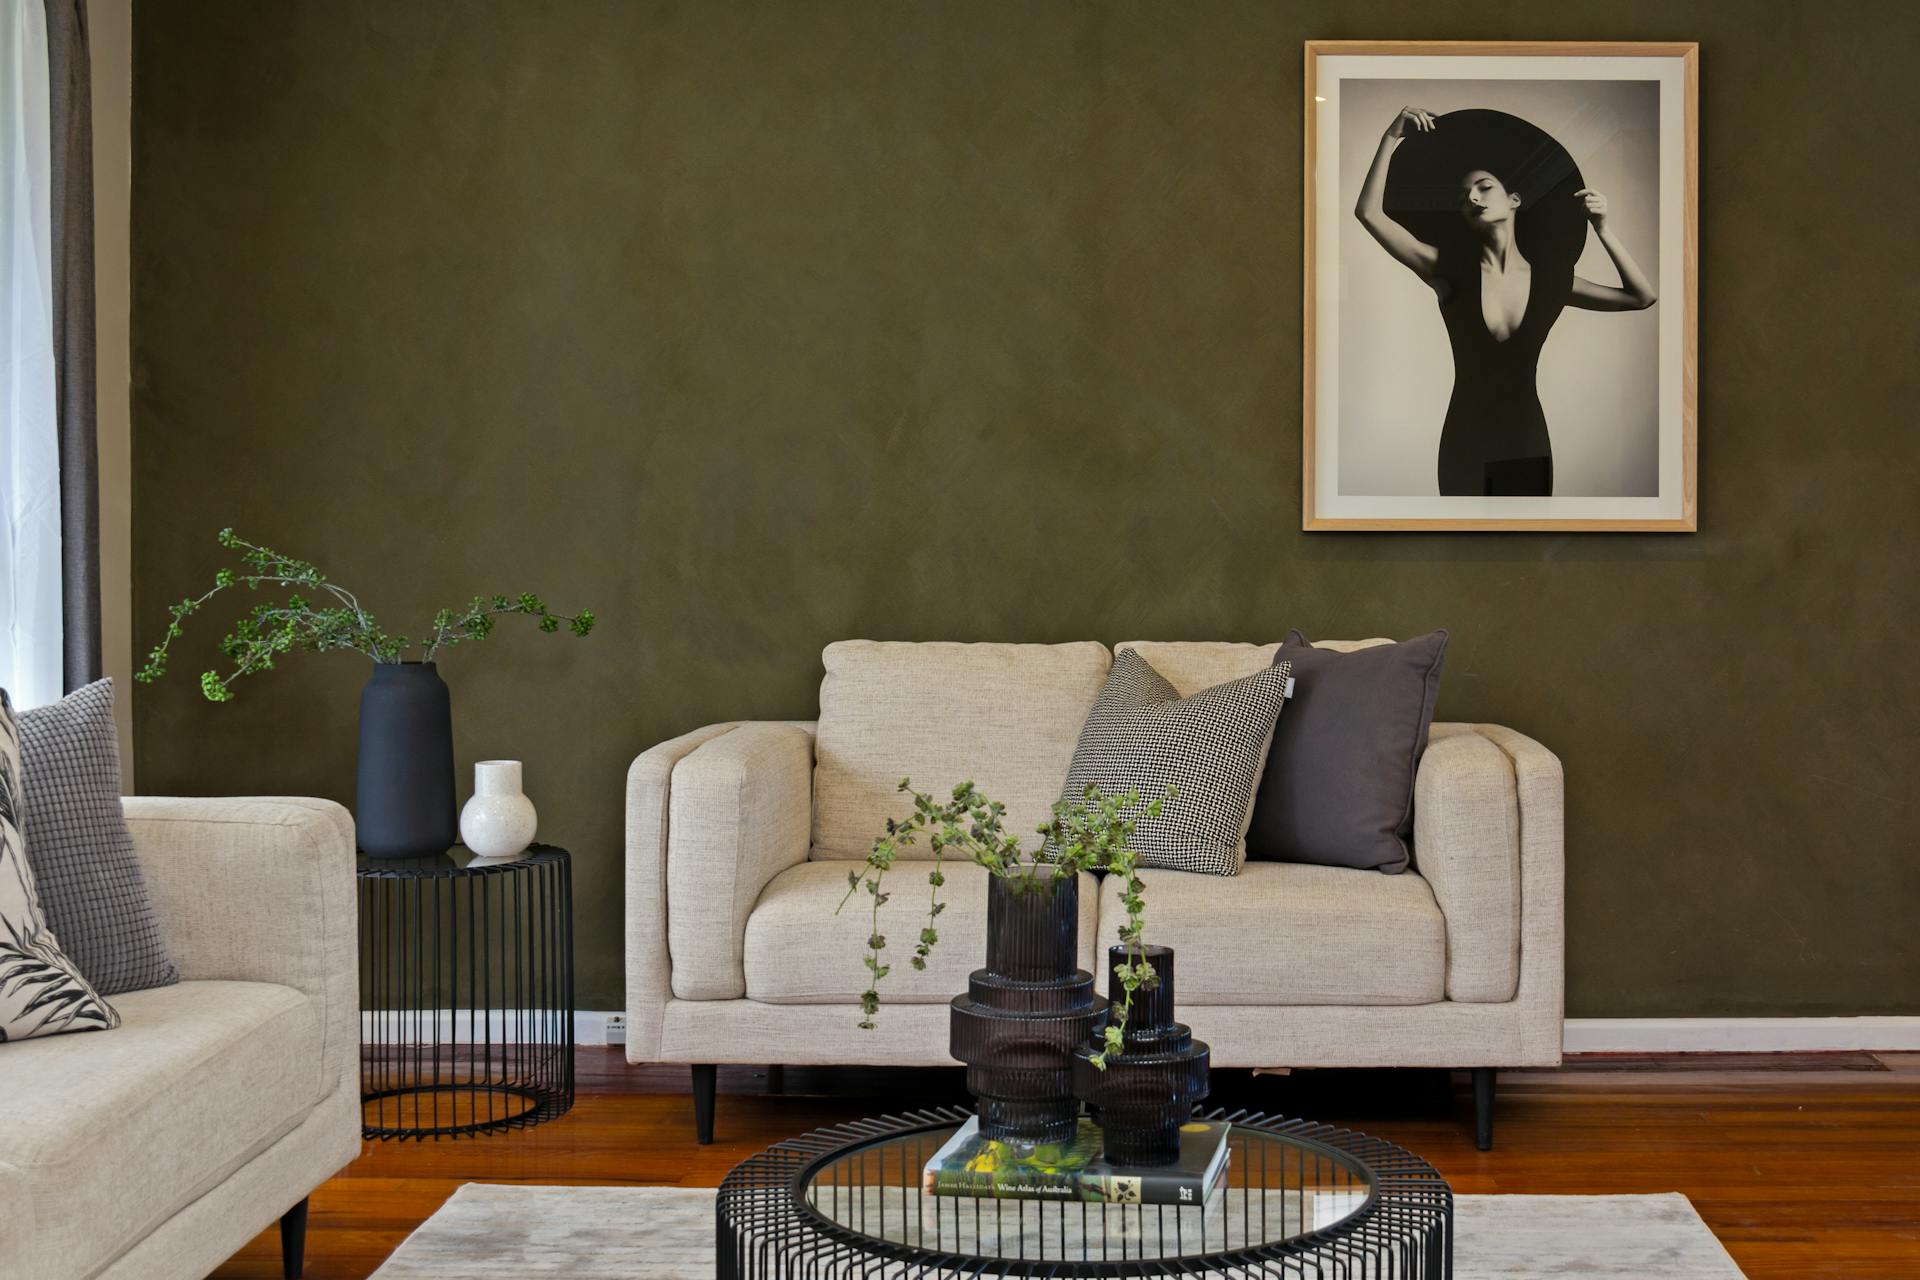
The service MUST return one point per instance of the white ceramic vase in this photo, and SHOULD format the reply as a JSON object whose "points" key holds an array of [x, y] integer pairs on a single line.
{"points": [[499, 821]]}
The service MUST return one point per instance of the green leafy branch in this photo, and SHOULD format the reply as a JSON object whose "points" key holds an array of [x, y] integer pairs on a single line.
{"points": [[1097, 833], [320, 616], [1093, 833]]}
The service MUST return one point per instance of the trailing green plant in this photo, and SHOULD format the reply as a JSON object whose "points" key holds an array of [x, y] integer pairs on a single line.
{"points": [[333, 619], [1093, 833]]}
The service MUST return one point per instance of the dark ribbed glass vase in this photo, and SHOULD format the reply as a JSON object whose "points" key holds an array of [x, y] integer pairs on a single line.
{"points": [[1148, 1089], [1017, 1024]]}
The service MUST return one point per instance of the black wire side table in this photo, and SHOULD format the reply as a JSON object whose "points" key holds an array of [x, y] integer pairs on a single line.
{"points": [[1300, 1200], [466, 987]]}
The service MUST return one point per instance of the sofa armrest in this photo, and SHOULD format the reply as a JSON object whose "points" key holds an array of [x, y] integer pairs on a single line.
{"points": [[649, 966], [1489, 837], [1543, 876], [741, 812], [1466, 845], [260, 890]]}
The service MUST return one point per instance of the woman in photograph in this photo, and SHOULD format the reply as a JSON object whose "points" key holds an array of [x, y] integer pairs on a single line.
{"points": [[1490, 212]]}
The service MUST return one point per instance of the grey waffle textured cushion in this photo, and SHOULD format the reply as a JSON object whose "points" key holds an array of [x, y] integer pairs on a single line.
{"points": [[41, 990], [1143, 736], [77, 841], [1338, 790]]}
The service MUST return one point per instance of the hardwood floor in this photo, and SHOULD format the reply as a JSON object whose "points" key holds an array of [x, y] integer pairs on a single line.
{"points": [[1803, 1165]]}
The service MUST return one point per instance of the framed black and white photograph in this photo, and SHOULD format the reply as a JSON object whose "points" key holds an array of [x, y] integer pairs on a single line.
{"points": [[1500, 300]]}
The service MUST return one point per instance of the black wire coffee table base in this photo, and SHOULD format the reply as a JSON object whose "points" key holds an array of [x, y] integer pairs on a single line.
{"points": [[1300, 1200]]}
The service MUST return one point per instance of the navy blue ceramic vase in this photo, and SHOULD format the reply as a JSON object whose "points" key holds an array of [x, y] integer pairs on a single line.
{"points": [[404, 807]]}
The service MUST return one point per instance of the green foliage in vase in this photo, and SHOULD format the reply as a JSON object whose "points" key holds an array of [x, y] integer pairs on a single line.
{"points": [[1093, 833], [331, 619]]}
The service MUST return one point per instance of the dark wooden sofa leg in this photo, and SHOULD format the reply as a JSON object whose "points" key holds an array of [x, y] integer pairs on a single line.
{"points": [[1483, 1108], [293, 1241], [704, 1074], [776, 1079]]}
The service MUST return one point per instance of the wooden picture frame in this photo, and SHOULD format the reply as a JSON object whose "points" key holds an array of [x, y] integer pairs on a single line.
{"points": [[1628, 461]]}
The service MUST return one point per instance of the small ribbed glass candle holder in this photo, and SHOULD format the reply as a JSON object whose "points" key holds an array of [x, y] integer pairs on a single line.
{"points": [[1149, 1088]]}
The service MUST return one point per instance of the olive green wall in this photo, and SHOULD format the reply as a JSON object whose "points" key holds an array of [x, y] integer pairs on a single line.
{"points": [[757, 326]]}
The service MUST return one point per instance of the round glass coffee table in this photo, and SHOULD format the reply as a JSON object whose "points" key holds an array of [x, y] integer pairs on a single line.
{"points": [[1299, 1200]]}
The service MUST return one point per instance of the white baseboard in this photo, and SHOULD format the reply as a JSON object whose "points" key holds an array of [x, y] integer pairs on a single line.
{"points": [[1740, 1035], [1583, 1035]]}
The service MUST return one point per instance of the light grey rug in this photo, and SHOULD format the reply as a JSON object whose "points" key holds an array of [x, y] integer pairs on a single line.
{"points": [[497, 1232]]}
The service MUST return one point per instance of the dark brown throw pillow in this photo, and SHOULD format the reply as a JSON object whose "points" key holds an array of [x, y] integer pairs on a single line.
{"points": [[1338, 789]]}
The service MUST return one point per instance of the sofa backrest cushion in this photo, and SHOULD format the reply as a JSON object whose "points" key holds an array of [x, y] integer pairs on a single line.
{"points": [[1192, 665], [1004, 716]]}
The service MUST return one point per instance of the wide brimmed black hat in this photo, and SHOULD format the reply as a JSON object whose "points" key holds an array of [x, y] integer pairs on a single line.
{"points": [[1423, 183]]}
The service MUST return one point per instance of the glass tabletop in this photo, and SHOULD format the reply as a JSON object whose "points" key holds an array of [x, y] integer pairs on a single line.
{"points": [[1277, 1187]]}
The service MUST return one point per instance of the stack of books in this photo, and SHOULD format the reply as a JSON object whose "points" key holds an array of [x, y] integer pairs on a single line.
{"points": [[970, 1165]]}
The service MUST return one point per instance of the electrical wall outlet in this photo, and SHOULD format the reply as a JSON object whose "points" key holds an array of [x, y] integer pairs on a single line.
{"points": [[616, 1028]]}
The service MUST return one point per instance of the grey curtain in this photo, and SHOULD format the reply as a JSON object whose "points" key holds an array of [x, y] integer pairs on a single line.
{"points": [[70, 86]]}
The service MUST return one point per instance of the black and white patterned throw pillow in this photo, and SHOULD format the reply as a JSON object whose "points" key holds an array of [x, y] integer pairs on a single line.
{"points": [[41, 992], [1143, 736], [91, 889]]}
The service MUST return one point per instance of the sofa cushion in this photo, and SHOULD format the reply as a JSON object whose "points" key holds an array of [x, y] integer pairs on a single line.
{"points": [[1284, 933], [1193, 665], [1338, 788], [42, 992], [1004, 716], [1143, 738], [107, 1136], [800, 952], [90, 882]]}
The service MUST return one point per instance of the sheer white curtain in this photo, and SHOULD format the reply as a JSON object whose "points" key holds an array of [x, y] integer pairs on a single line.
{"points": [[30, 617]]}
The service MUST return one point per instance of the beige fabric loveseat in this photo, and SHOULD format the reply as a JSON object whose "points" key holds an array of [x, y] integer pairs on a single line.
{"points": [[740, 837], [154, 1151]]}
